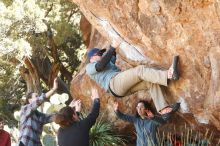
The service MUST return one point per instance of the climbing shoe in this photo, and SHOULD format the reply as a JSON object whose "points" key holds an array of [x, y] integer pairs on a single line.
{"points": [[175, 75]]}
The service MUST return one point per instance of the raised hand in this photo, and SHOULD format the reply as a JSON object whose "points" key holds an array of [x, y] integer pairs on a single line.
{"points": [[149, 113], [55, 84], [53, 90], [72, 103], [94, 94], [77, 104], [116, 42]]}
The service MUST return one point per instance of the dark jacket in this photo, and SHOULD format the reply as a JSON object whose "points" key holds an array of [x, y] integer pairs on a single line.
{"points": [[78, 133]]}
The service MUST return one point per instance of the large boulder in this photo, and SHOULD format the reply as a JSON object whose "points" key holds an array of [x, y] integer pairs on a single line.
{"points": [[153, 31]]}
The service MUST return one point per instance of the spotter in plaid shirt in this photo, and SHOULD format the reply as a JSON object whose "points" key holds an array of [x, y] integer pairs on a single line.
{"points": [[32, 121]]}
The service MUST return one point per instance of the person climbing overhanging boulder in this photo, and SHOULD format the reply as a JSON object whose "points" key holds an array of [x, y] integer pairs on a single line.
{"points": [[103, 70]]}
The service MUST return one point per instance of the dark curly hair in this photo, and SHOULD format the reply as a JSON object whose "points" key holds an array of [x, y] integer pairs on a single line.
{"points": [[146, 104], [1, 119], [64, 116], [28, 96]]}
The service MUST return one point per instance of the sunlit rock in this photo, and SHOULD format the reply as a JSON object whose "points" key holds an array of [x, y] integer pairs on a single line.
{"points": [[152, 32]]}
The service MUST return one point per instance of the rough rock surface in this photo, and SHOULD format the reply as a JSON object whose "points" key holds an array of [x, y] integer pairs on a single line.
{"points": [[152, 32]]}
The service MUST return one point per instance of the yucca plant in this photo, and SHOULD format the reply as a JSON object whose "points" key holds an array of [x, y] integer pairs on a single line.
{"points": [[102, 134]]}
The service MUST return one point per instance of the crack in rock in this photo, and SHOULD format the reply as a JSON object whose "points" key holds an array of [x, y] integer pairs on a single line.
{"points": [[130, 51]]}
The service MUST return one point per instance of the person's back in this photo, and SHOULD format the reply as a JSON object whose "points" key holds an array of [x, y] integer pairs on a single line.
{"points": [[75, 132]]}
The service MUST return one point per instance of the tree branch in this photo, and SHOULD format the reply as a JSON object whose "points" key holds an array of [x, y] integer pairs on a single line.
{"points": [[30, 75], [48, 11], [73, 11], [54, 54]]}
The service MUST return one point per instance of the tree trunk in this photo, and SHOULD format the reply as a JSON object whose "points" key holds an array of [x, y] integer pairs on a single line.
{"points": [[30, 75]]}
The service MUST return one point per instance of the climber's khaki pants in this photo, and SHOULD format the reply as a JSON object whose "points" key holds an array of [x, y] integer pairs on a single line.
{"points": [[141, 78]]}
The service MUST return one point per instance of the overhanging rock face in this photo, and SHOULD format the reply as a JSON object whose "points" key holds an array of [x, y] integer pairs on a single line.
{"points": [[152, 32]]}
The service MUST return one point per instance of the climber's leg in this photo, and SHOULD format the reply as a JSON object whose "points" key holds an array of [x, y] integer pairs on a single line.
{"points": [[157, 96], [124, 81], [155, 93]]}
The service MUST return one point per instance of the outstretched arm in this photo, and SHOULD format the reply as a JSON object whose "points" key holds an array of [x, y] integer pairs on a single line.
{"points": [[93, 115], [123, 116], [108, 56], [35, 104], [162, 119], [77, 105], [52, 91], [100, 65], [47, 118]]}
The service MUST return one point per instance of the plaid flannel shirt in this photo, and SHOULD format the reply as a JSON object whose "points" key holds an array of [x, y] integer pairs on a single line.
{"points": [[32, 121]]}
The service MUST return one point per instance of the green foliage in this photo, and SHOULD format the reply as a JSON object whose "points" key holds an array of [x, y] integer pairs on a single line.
{"points": [[11, 88], [7, 2], [102, 134], [62, 17], [69, 41]]}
